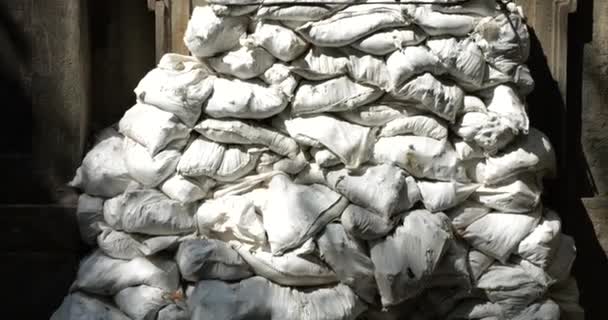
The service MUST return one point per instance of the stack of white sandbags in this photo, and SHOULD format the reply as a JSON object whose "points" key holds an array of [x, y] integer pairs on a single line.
{"points": [[328, 161]]}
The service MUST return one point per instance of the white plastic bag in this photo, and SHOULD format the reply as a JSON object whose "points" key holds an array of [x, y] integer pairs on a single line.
{"points": [[282, 43]]}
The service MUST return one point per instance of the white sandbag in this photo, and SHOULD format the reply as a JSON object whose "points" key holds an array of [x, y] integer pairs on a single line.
{"points": [[365, 224], [479, 262], [103, 275], [80, 306], [489, 131], [208, 34], [473, 104], [265, 300], [422, 125], [506, 102], [472, 7], [142, 302], [476, 309], [291, 269], [180, 84], [409, 62], [561, 264], [174, 312], [351, 143], [103, 172], [296, 12], [385, 189], [379, 113], [435, 23], [504, 40], [321, 63], [149, 170], [451, 276], [246, 62], [511, 287], [298, 212], [384, 42], [490, 235], [149, 211], [324, 158], [466, 213], [405, 260], [339, 94], [153, 128], [543, 310], [231, 218], [238, 132], [531, 153], [367, 69], [279, 75], [127, 246], [438, 196], [249, 99], [421, 157], [352, 24], [187, 189], [222, 10], [286, 165], [467, 150], [462, 59], [517, 194], [244, 185], [428, 93], [348, 258], [221, 162], [566, 295], [209, 259], [89, 215], [541, 244], [282, 43]]}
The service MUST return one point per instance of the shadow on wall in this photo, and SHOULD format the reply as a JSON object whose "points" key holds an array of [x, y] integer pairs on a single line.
{"points": [[562, 125]]}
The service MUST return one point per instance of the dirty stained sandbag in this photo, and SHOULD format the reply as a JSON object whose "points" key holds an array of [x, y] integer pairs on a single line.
{"points": [[365, 224], [79, 306], [281, 42], [462, 59], [89, 215], [298, 212], [352, 24], [142, 302], [248, 99], [153, 128], [295, 268], [518, 194], [384, 42], [231, 218], [421, 157], [430, 94], [489, 235], [239, 132], [441, 195], [266, 300], [210, 259], [279, 75], [379, 113], [127, 246], [338, 94], [207, 34], [384, 188], [487, 130], [149, 170], [321, 64], [530, 153], [350, 142], [348, 258], [246, 62], [435, 23], [187, 189], [103, 172], [100, 274], [179, 84], [149, 211], [421, 125], [405, 260], [406, 63]]}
